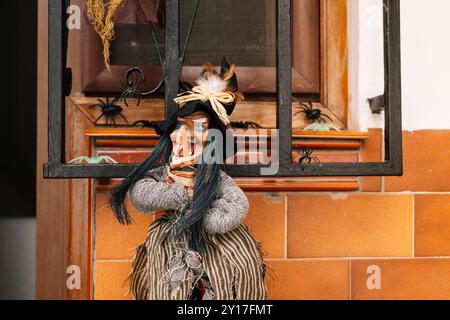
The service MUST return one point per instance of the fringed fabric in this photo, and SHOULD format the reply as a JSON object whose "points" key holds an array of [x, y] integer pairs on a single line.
{"points": [[232, 267]]}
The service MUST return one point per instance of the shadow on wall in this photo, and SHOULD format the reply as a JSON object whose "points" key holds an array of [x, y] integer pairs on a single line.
{"points": [[17, 258], [18, 129]]}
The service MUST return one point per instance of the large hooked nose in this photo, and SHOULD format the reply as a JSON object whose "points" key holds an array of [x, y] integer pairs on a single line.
{"points": [[185, 141]]}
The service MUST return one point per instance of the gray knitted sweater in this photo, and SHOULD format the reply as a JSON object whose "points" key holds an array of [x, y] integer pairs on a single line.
{"points": [[153, 193]]}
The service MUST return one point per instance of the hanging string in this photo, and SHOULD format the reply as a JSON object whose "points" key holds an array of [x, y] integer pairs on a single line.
{"points": [[101, 13]]}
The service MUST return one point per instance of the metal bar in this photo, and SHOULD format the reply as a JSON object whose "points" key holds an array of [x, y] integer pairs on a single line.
{"points": [[393, 96], [56, 99], [320, 170], [252, 171], [156, 42], [284, 80], [172, 66], [189, 34]]}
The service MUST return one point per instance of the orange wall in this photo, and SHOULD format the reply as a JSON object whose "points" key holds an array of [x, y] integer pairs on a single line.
{"points": [[320, 245]]}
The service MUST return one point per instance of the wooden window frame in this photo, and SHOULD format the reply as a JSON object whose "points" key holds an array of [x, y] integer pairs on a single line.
{"points": [[96, 79], [59, 79]]}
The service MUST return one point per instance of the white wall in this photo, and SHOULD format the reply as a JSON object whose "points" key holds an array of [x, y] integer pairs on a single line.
{"points": [[425, 63]]}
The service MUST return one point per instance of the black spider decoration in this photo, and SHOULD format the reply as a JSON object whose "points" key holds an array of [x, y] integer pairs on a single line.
{"points": [[313, 114], [131, 82], [133, 79], [245, 125], [157, 125], [144, 124], [308, 158], [109, 110]]}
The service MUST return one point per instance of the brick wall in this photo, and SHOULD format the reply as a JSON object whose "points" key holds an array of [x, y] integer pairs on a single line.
{"points": [[390, 240]]}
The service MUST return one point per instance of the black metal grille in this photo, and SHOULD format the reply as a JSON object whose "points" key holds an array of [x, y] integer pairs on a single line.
{"points": [[59, 81]]}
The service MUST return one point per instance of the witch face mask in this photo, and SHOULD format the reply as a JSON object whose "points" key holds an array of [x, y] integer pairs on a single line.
{"points": [[189, 138]]}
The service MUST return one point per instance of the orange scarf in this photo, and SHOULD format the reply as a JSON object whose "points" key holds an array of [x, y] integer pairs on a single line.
{"points": [[185, 178]]}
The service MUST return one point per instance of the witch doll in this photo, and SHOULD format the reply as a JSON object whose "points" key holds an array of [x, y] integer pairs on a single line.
{"points": [[199, 249]]}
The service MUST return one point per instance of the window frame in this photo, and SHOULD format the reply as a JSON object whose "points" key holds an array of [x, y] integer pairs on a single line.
{"points": [[60, 79], [94, 70]]}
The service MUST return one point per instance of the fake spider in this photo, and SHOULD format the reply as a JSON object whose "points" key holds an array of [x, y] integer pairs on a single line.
{"points": [[93, 160], [144, 124], [109, 110], [308, 158], [322, 127], [245, 125], [133, 79], [313, 114], [131, 82], [158, 126]]}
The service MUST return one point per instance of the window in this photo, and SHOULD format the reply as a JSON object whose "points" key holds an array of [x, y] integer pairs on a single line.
{"points": [[248, 40], [285, 65]]}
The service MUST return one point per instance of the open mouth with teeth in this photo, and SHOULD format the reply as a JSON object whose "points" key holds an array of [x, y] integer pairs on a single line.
{"points": [[186, 154], [191, 148]]}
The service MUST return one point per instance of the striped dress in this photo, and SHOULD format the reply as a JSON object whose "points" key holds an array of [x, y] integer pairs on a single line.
{"points": [[232, 266]]}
